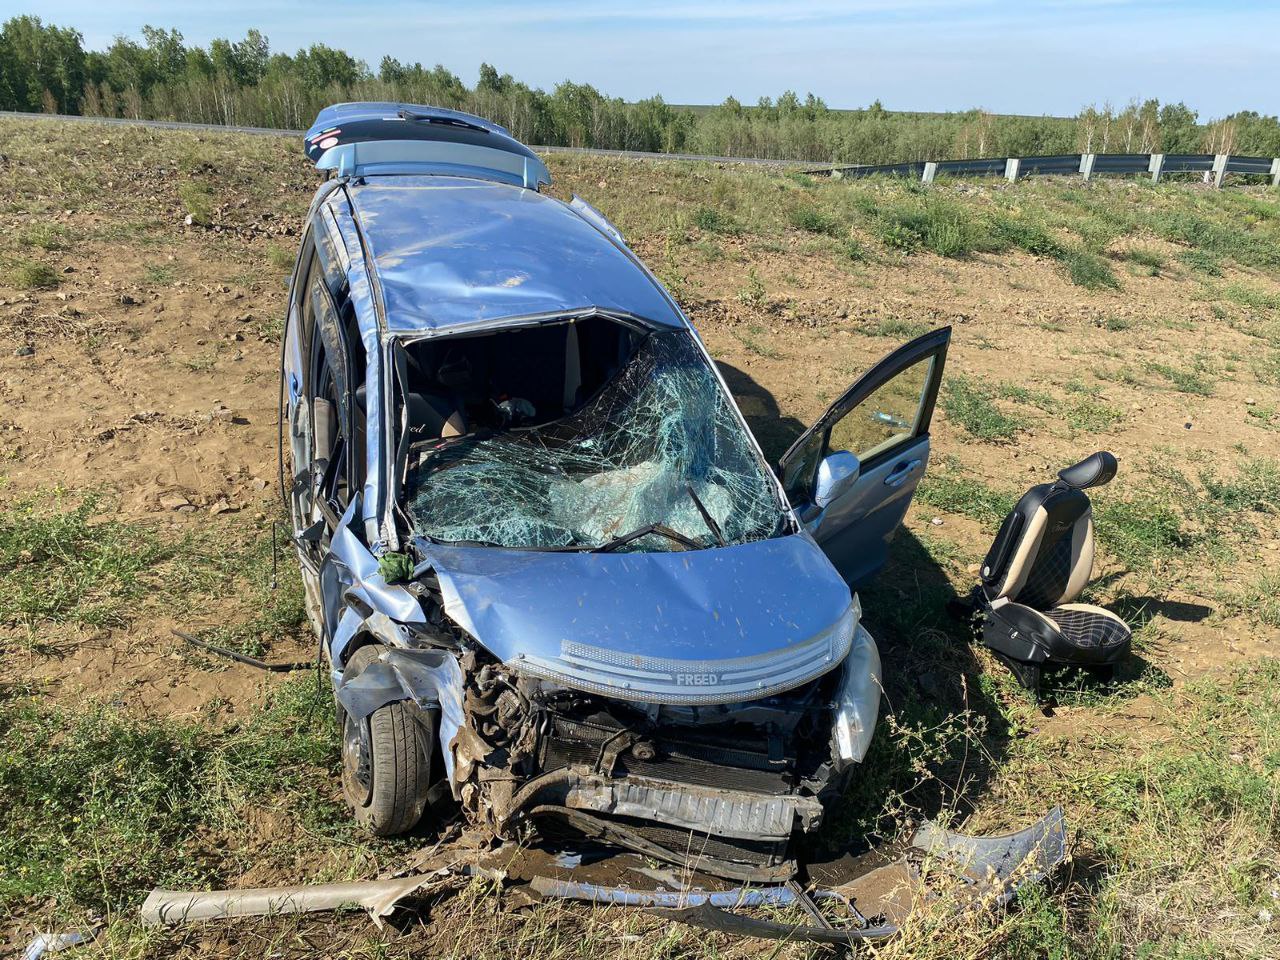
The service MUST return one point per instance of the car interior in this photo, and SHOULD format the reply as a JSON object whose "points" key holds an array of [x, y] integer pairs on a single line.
{"points": [[515, 377]]}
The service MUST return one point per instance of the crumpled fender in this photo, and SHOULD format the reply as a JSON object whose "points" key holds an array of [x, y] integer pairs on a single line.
{"points": [[431, 679]]}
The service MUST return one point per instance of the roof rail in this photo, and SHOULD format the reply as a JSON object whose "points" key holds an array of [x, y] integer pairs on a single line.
{"points": [[360, 139]]}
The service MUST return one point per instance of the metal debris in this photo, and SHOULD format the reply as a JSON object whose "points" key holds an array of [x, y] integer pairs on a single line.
{"points": [[970, 872]]}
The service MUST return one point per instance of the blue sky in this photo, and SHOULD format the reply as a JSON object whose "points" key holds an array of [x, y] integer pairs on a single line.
{"points": [[1051, 56]]}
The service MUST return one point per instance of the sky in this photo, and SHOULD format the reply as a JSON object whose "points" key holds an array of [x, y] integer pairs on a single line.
{"points": [[1032, 57]]}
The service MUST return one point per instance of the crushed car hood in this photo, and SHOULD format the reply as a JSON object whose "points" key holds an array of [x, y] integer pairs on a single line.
{"points": [[709, 626]]}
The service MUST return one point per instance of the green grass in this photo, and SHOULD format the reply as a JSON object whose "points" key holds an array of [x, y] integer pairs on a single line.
{"points": [[755, 339], [1255, 487], [713, 220], [198, 200], [1090, 271], [952, 491], [1080, 412], [971, 405], [61, 561], [1027, 234], [813, 220], [280, 257], [933, 224], [753, 293], [30, 275], [1202, 261], [854, 250], [51, 237], [1252, 297], [1195, 380], [159, 274], [1258, 602], [1150, 262], [124, 803]]}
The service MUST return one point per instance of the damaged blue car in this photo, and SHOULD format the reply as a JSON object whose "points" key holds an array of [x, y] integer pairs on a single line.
{"points": [[554, 577]]}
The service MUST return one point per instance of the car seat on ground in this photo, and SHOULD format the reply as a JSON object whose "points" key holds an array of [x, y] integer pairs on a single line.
{"points": [[1038, 565]]}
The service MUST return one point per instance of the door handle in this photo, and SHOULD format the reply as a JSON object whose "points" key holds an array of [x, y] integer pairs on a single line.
{"points": [[898, 476]]}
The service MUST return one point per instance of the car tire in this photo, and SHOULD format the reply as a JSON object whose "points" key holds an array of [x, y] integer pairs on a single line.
{"points": [[386, 760]]}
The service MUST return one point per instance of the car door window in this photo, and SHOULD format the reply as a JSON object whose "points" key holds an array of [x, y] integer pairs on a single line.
{"points": [[886, 409], [885, 419], [882, 420]]}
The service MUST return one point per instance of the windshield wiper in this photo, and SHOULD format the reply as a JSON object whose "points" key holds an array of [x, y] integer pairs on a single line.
{"points": [[706, 515], [661, 529]]}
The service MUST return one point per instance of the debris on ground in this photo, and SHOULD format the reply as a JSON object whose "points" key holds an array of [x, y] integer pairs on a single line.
{"points": [[850, 899]]}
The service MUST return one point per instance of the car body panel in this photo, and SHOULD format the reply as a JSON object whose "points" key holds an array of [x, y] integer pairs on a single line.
{"points": [[451, 252], [708, 626]]}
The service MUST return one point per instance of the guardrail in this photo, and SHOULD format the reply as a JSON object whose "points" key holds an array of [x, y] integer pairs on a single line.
{"points": [[1213, 167]]}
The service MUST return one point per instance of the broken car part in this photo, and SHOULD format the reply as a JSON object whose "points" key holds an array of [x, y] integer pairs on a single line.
{"points": [[964, 872], [379, 897], [242, 657], [1038, 565]]}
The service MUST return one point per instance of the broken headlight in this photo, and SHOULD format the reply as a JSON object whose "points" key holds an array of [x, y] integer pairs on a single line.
{"points": [[857, 701]]}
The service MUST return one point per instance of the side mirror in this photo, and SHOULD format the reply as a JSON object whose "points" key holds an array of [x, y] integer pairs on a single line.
{"points": [[836, 474]]}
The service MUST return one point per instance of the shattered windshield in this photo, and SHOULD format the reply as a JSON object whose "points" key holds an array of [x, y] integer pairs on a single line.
{"points": [[657, 446]]}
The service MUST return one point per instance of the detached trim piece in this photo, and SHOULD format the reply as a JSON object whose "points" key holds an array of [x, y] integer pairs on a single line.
{"points": [[379, 897]]}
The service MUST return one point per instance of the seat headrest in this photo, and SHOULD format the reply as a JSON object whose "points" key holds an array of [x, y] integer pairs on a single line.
{"points": [[1092, 471]]}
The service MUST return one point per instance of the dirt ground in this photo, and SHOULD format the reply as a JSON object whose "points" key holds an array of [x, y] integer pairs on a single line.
{"points": [[147, 368]]}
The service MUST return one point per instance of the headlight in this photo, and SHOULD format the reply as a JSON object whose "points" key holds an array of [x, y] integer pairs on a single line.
{"points": [[858, 696]]}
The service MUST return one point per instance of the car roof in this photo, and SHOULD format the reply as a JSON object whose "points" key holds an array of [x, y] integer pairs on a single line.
{"points": [[454, 252]]}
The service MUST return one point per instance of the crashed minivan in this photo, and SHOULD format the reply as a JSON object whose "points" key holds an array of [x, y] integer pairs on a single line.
{"points": [[554, 576]]}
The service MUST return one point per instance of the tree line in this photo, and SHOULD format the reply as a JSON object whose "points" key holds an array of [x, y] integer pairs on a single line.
{"points": [[45, 68]]}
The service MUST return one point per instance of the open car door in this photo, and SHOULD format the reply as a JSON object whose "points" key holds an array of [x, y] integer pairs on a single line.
{"points": [[851, 476]]}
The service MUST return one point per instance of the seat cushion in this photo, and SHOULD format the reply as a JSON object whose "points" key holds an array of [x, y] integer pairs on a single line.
{"points": [[1088, 627], [1075, 634]]}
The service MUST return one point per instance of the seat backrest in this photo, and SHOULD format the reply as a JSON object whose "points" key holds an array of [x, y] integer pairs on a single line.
{"points": [[1043, 554]]}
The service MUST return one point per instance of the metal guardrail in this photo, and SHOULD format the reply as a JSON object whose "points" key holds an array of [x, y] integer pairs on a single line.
{"points": [[1214, 167]]}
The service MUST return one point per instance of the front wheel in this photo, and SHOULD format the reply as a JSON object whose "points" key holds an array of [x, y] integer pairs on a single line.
{"points": [[386, 760]]}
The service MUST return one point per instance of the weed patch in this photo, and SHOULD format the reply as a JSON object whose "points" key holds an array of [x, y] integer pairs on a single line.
{"points": [[1195, 380], [31, 275], [953, 492], [61, 563], [1090, 271], [971, 405], [712, 220], [197, 200], [813, 220], [123, 803]]}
